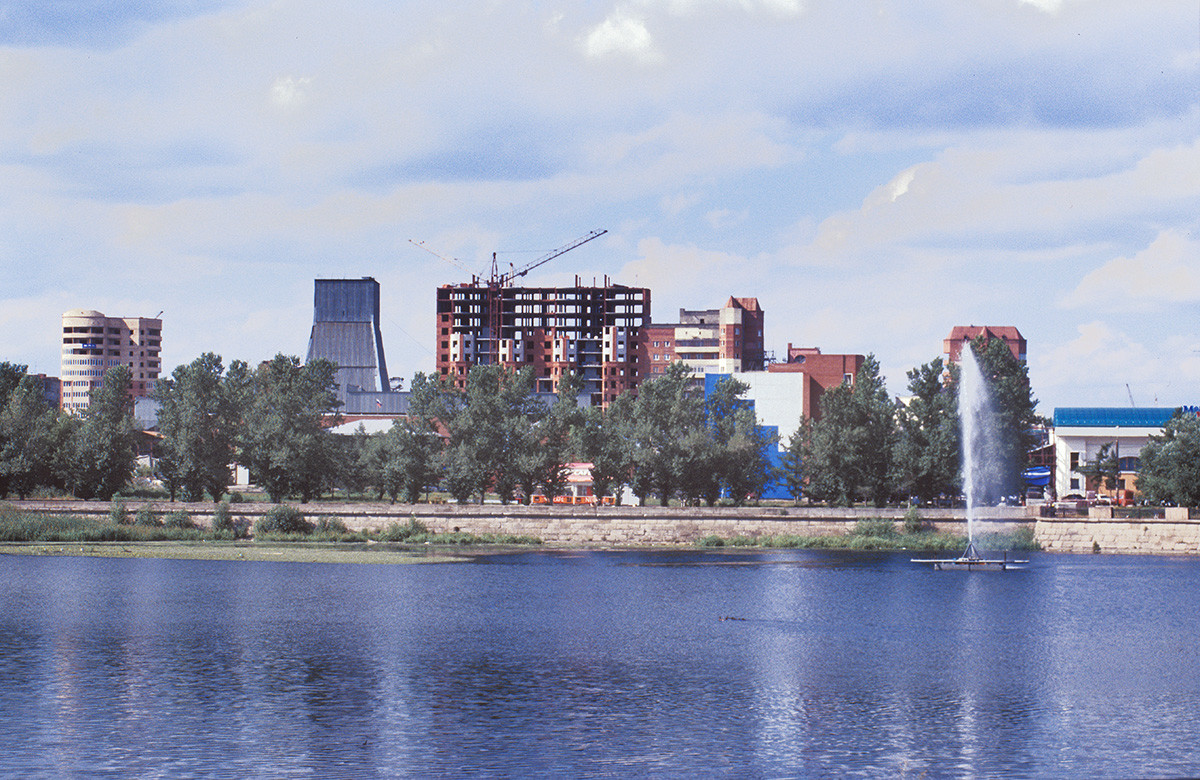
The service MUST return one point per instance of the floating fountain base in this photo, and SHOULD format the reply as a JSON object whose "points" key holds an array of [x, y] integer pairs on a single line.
{"points": [[970, 560]]}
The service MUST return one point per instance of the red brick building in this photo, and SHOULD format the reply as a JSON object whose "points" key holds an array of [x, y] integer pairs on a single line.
{"points": [[961, 335], [821, 371]]}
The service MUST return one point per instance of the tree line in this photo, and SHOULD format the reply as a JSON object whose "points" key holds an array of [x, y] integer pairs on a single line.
{"points": [[496, 436]]}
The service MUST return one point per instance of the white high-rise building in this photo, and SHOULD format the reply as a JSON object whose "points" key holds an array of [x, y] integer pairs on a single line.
{"points": [[92, 343]]}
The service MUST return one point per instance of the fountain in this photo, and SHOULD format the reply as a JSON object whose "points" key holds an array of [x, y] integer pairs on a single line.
{"points": [[974, 406]]}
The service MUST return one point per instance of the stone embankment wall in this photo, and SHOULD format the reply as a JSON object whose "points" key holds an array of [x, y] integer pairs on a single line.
{"points": [[568, 525], [1101, 532]]}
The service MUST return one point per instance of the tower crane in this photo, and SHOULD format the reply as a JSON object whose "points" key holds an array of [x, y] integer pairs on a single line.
{"points": [[503, 280]]}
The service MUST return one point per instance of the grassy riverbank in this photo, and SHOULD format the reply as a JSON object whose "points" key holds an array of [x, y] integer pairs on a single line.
{"points": [[328, 539], [883, 535], [176, 527]]}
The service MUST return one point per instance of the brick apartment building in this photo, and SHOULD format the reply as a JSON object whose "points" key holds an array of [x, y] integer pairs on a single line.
{"points": [[708, 341], [93, 343], [593, 331]]}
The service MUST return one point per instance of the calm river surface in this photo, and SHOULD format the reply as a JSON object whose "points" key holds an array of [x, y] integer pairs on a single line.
{"points": [[600, 664]]}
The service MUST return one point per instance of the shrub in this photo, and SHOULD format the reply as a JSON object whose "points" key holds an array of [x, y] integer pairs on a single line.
{"points": [[226, 526], [178, 519], [233, 498], [1024, 539], [913, 524], [283, 519], [331, 526], [145, 516], [712, 541], [412, 531], [222, 520], [879, 528], [118, 513]]}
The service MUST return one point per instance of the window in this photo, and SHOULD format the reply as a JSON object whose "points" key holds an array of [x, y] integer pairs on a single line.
{"points": [[1074, 461], [1074, 483]]}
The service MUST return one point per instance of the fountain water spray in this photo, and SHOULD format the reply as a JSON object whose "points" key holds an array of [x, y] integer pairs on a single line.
{"points": [[974, 405], [979, 463]]}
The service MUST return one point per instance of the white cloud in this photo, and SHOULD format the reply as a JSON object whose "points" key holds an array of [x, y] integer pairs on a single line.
{"points": [[290, 92], [624, 35], [1167, 271], [1049, 6]]}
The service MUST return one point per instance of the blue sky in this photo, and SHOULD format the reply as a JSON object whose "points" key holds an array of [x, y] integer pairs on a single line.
{"points": [[874, 172]]}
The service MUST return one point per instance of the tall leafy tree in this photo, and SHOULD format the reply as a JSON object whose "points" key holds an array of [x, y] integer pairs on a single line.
{"points": [[848, 452], [284, 439], [414, 443], [27, 439], [666, 411], [1170, 463], [11, 375], [604, 437], [105, 453], [1104, 470], [196, 419], [928, 451], [793, 465]]}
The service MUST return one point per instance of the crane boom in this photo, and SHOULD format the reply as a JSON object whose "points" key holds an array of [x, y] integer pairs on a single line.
{"points": [[452, 260], [506, 279]]}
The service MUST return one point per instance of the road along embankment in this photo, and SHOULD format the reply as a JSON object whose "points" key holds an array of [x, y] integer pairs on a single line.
{"points": [[1100, 531], [576, 525]]}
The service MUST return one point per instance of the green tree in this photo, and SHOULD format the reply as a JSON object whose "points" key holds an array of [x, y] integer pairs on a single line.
{"points": [[483, 430], [11, 375], [414, 443], [1103, 470], [283, 439], [27, 439], [928, 448], [105, 451], [196, 418], [793, 465], [665, 414], [848, 452], [1170, 464], [604, 440]]}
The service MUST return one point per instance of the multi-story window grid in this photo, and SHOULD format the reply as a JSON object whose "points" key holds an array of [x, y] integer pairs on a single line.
{"points": [[93, 343], [593, 331]]}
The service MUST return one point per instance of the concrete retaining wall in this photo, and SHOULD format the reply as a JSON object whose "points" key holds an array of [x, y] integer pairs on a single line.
{"points": [[1101, 532], [566, 525]]}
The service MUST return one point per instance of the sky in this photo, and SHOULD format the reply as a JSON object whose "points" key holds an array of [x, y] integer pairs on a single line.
{"points": [[874, 172]]}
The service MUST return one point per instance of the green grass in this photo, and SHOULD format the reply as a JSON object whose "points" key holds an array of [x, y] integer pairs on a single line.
{"points": [[882, 535]]}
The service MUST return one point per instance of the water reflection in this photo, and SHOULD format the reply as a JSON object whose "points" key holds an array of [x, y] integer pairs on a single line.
{"points": [[593, 664]]}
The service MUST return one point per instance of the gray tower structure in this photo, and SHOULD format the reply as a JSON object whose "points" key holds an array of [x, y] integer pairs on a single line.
{"points": [[345, 331]]}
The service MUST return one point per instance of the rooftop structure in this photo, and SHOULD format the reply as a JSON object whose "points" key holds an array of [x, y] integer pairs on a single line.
{"points": [[92, 343], [961, 335]]}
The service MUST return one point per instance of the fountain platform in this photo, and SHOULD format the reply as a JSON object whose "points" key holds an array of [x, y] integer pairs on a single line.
{"points": [[970, 560]]}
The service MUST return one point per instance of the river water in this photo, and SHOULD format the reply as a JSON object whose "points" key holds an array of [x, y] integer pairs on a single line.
{"points": [[600, 664]]}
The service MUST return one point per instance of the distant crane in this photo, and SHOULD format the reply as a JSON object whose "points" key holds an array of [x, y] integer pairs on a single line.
{"points": [[451, 260], [503, 280], [1127, 390]]}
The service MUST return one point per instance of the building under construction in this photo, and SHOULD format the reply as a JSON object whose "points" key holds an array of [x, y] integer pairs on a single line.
{"points": [[593, 331]]}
